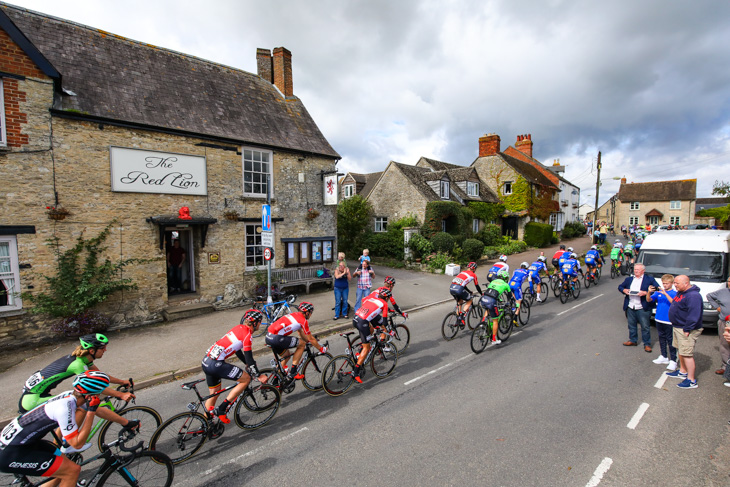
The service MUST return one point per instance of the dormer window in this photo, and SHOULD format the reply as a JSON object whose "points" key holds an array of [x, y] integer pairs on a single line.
{"points": [[444, 190], [507, 188], [349, 190], [472, 189]]}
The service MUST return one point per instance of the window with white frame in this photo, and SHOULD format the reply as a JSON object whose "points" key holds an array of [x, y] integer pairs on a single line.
{"points": [[381, 223], [254, 250], [633, 220], [349, 190], [675, 205], [3, 137], [553, 219], [475, 225], [653, 220], [674, 220], [444, 189], [256, 167], [634, 205], [472, 189], [507, 188], [9, 274]]}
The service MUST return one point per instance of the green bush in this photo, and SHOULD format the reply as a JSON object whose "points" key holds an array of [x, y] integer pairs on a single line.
{"points": [[442, 242], [473, 249], [419, 245], [387, 244], [490, 235], [538, 234], [437, 261], [573, 229]]}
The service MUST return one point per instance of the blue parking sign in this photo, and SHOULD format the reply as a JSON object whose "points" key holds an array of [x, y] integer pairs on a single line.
{"points": [[266, 218]]}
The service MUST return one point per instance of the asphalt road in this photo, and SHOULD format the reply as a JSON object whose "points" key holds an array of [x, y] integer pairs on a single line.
{"points": [[561, 403]]}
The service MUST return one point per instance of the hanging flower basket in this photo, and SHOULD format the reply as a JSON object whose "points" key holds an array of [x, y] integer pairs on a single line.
{"points": [[231, 215], [312, 214], [57, 213]]}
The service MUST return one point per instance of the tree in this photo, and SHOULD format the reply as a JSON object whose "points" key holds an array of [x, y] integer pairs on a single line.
{"points": [[722, 188], [353, 216]]}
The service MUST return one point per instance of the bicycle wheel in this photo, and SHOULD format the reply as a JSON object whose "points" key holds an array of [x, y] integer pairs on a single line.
{"points": [[613, 271], [337, 376], [527, 293], [262, 330], [312, 371], [146, 468], [586, 280], [480, 338], [557, 285], [275, 379], [449, 328], [544, 291], [402, 338], [383, 363], [180, 436], [505, 326], [576, 289], [564, 294], [257, 406], [149, 418], [474, 317], [524, 315]]}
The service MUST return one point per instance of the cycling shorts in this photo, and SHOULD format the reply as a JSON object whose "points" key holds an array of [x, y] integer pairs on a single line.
{"points": [[459, 292], [39, 458], [363, 326], [534, 278], [491, 276], [517, 292], [215, 370], [590, 262], [491, 305], [279, 343], [570, 274], [29, 401], [555, 263], [628, 252]]}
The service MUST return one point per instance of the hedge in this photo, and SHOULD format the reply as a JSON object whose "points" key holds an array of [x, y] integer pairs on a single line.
{"points": [[538, 234]]}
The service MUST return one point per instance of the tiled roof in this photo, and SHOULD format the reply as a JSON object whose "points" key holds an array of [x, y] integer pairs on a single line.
{"points": [[526, 170], [370, 180], [712, 201], [439, 165], [127, 81], [685, 189], [420, 175], [359, 178]]}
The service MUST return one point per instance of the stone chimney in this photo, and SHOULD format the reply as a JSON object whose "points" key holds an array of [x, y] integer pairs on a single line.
{"points": [[489, 145], [282, 71], [524, 144], [264, 64]]}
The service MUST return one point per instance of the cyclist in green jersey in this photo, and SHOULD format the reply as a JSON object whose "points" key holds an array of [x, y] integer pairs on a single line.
{"points": [[617, 254], [629, 250], [497, 291]]}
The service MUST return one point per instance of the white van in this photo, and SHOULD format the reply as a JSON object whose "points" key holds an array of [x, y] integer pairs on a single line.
{"points": [[703, 255]]}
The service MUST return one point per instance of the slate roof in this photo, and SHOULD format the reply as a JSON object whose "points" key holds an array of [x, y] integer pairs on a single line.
{"points": [[370, 180], [685, 189], [722, 201], [420, 175], [128, 81], [439, 165], [359, 178]]}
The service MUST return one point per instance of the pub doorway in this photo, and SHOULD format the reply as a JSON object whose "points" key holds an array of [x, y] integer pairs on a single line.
{"points": [[180, 261]]}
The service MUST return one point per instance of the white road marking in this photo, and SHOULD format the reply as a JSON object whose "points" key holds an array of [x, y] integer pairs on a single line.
{"points": [[255, 451], [581, 304], [600, 472], [660, 383], [436, 370], [637, 416]]}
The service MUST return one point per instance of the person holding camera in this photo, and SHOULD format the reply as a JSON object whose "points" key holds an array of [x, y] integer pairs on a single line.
{"points": [[637, 308]]}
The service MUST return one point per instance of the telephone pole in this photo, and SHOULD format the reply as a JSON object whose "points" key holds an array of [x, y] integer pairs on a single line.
{"points": [[598, 185]]}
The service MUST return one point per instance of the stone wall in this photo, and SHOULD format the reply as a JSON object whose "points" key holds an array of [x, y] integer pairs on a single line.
{"points": [[395, 197], [686, 213]]}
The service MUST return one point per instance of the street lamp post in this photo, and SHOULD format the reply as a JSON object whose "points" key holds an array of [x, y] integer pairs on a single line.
{"points": [[598, 184]]}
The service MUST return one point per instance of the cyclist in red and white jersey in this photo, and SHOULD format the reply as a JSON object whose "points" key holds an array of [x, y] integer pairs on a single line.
{"points": [[237, 341], [460, 291], [372, 312], [279, 337], [389, 284], [556, 259]]}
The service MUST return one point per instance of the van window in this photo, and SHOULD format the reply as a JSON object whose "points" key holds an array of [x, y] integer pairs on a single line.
{"points": [[702, 266]]}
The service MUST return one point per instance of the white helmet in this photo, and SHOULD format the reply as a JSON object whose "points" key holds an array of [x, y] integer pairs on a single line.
{"points": [[594, 247], [542, 258], [573, 255], [570, 249], [503, 258], [524, 265], [617, 245], [617, 241]]}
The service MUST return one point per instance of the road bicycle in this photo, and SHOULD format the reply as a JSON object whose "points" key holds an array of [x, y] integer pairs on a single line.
{"points": [[591, 278], [272, 312], [122, 466], [481, 336], [529, 291], [181, 436], [555, 281], [570, 288], [311, 366], [450, 326], [615, 268], [338, 375], [399, 333]]}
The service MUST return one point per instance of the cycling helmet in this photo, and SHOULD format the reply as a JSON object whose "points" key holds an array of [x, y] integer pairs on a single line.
{"points": [[617, 244], [93, 341], [472, 266], [252, 315], [617, 241], [504, 275], [570, 249], [594, 247], [542, 258], [503, 258], [562, 247], [389, 280], [573, 255], [305, 307], [91, 382], [524, 265], [384, 293]]}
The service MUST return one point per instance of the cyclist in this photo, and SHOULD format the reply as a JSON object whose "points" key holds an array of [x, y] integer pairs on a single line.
{"points": [[534, 278], [629, 250], [389, 284], [21, 448], [564, 257], [280, 340], [500, 265], [515, 283], [570, 269], [461, 293], [498, 293], [237, 341], [556, 259], [617, 254], [372, 312], [593, 258]]}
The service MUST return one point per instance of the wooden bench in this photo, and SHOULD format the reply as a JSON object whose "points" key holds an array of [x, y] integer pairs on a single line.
{"points": [[299, 276]]}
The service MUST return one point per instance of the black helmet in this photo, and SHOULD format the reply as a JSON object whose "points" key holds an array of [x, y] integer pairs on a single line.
{"points": [[472, 266], [384, 293], [562, 247], [252, 315], [93, 341], [389, 280], [304, 307]]}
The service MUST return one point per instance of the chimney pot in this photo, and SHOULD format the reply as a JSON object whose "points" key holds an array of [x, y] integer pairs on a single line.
{"points": [[282, 71], [524, 144], [623, 180], [489, 145]]}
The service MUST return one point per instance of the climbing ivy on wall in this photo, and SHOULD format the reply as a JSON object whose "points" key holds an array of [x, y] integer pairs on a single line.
{"points": [[440, 210], [543, 204], [486, 212], [520, 198]]}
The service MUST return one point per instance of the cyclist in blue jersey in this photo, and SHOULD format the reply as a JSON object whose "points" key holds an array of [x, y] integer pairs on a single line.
{"points": [[535, 269], [499, 266], [564, 257], [592, 260], [515, 283], [570, 269]]}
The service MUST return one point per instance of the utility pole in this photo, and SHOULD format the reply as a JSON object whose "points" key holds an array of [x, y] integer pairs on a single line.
{"points": [[598, 184], [268, 264]]}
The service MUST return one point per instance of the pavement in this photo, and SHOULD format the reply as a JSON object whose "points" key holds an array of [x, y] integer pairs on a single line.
{"points": [[170, 350]]}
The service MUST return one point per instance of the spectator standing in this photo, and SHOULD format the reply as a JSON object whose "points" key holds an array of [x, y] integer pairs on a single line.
{"points": [[364, 274], [638, 309], [342, 289], [720, 299], [365, 255], [664, 297], [603, 229], [175, 259], [686, 317]]}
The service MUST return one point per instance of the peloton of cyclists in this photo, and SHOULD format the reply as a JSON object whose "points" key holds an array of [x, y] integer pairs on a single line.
{"points": [[535, 269], [461, 293], [498, 293], [500, 265], [372, 312], [236, 341]]}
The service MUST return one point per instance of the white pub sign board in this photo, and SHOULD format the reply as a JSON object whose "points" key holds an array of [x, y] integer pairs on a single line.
{"points": [[144, 171]]}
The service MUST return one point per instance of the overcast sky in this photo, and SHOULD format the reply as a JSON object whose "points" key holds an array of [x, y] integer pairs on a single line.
{"points": [[646, 82]]}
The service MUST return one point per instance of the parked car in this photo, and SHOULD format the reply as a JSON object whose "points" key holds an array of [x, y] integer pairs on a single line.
{"points": [[698, 226], [662, 228]]}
